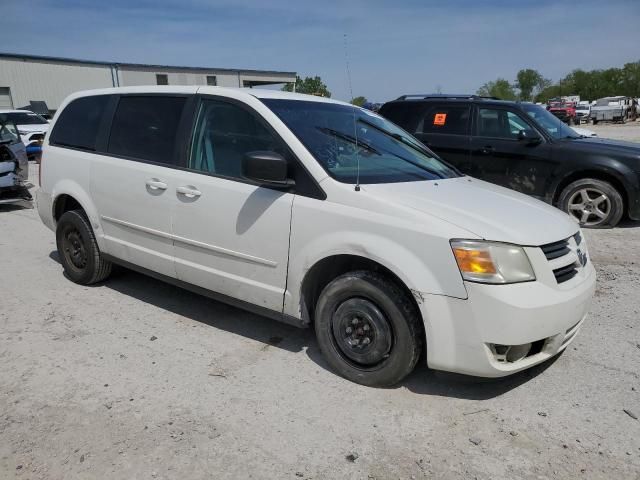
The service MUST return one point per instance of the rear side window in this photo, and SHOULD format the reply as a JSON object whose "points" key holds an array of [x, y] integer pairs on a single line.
{"points": [[405, 114], [449, 119], [145, 128], [78, 124]]}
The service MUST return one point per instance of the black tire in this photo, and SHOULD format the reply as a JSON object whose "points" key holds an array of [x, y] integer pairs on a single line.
{"points": [[596, 212], [595, 122], [78, 249], [395, 329]]}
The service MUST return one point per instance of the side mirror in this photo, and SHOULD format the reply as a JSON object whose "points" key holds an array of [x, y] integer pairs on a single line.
{"points": [[267, 168], [530, 139]]}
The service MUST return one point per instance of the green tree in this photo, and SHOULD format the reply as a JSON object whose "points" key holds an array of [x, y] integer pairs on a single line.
{"points": [[500, 88], [308, 85], [359, 101], [526, 81]]}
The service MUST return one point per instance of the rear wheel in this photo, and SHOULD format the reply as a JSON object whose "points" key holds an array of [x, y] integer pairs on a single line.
{"points": [[594, 203], [368, 329], [78, 249]]}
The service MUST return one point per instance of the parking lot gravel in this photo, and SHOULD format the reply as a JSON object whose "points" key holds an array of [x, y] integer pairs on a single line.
{"points": [[133, 378]]}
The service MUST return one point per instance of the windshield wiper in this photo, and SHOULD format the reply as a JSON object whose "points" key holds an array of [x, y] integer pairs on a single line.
{"points": [[348, 138], [396, 136]]}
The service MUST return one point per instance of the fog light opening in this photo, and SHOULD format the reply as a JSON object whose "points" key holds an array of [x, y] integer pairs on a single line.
{"points": [[510, 353]]}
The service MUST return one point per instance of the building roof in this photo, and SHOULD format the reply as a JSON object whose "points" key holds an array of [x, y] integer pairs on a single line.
{"points": [[41, 58]]}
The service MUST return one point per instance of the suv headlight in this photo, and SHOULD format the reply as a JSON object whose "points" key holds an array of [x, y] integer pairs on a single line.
{"points": [[492, 262]]}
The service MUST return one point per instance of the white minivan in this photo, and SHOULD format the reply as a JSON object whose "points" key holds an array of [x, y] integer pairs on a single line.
{"points": [[319, 214]]}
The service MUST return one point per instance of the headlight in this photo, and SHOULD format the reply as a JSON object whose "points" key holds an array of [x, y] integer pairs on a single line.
{"points": [[492, 262]]}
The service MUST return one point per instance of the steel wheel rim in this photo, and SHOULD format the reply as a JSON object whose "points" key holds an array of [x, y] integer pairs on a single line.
{"points": [[590, 206], [361, 333], [73, 249]]}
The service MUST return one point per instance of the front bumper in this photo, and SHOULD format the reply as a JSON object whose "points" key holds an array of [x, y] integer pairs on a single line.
{"points": [[461, 333]]}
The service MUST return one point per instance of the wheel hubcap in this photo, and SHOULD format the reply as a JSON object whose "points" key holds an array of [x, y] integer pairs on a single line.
{"points": [[590, 206], [361, 332], [74, 249]]}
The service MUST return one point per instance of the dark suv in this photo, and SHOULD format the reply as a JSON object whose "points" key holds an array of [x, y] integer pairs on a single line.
{"points": [[524, 147]]}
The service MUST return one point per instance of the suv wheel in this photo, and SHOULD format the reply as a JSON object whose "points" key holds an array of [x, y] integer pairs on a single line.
{"points": [[368, 329], [78, 250], [594, 203]]}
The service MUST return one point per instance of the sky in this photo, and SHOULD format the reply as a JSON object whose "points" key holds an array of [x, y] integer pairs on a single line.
{"points": [[393, 47]]}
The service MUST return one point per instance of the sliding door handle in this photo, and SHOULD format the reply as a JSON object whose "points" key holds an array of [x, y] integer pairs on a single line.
{"points": [[155, 184]]}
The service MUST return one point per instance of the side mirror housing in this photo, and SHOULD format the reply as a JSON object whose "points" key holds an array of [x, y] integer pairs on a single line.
{"points": [[267, 168], [531, 139]]}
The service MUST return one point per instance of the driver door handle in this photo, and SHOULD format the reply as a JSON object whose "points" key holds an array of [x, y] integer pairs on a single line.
{"points": [[189, 191], [487, 150]]}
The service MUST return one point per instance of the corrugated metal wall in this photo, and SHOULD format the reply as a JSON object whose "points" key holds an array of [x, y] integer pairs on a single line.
{"points": [[51, 82], [130, 77]]}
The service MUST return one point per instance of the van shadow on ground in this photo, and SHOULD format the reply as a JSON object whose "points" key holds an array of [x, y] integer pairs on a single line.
{"points": [[279, 335]]}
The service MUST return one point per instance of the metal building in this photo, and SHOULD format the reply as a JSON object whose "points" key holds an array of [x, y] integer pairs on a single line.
{"points": [[27, 78]]}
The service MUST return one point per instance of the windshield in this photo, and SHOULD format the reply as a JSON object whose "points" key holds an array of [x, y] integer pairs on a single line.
{"points": [[340, 137], [25, 118], [549, 122]]}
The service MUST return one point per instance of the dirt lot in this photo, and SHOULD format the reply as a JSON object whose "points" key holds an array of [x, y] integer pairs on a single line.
{"points": [[629, 131], [137, 379]]}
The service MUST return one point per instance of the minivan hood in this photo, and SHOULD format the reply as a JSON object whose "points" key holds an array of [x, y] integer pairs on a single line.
{"points": [[484, 209]]}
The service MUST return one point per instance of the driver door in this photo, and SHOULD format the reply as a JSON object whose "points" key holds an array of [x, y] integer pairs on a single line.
{"points": [[499, 156], [231, 235]]}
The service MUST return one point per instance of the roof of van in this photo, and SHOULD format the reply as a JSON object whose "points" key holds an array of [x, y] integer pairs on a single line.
{"points": [[192, 89]]}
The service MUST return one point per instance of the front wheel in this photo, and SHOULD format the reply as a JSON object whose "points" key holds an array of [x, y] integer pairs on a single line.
{"points": [[594, 203], [368, 329]]}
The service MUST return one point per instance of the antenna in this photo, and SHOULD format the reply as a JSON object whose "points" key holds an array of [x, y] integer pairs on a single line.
{"points": [[355, 125]]}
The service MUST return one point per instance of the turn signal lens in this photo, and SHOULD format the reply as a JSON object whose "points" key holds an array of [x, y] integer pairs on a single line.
{"points": [[474, 261], [492, 262]]}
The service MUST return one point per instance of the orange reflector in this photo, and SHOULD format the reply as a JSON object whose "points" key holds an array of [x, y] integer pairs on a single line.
{"points": [[474, 261]]}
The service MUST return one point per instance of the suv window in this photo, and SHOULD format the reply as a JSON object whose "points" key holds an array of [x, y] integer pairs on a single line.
{"points": [[224, 133], [498, 123], [78, 123], [450, 119], [146, 127]]}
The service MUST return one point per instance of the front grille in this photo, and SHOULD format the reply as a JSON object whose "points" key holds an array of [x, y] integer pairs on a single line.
{"points": [[564, 274], [564, 269], [556, 249]]}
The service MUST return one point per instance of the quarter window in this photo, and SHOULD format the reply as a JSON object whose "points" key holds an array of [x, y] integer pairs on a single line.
{"points": [[224, 133], [145, 127], [79, 122], [452, 120]]}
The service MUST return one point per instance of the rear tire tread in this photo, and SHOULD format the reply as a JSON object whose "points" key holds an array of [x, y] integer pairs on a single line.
{"points": [[102, 268]]}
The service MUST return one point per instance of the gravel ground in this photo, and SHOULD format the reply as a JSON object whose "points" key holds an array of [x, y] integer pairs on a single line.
{"points": [[134, 378], [629, 131]]}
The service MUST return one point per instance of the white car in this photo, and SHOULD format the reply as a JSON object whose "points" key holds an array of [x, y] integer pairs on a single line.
{"points": [[316, 213], [583, 111], [32, 127], [14, 166], [584, 132]]}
